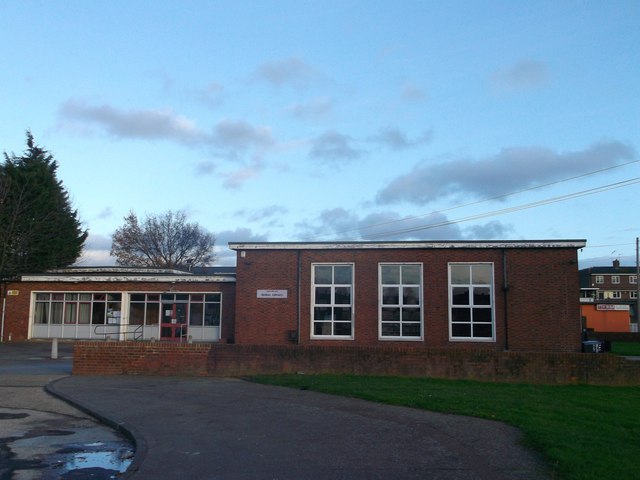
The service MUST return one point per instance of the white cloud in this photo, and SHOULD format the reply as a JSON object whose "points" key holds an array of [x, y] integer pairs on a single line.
{"points": [[315, 109], [290, 71], [142, 124], [395, 139], [334, 146], [512, 169], [524, 75]]}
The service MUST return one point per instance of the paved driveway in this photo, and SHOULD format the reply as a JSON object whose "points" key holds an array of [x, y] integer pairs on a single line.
{"points": [[210, 428]]}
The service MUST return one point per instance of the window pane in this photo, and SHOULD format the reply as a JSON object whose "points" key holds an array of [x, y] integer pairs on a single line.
{"points": [[461, 330], [85, 297], [43, 296], [390, 329], [410, 314], [212, 297], [460, 296], [153, 313], [343, 296], [460, 275], [84, 314], [212, 314], [322, 313], [390, 314], [483, 330], [481, 296], [390, 296], [342, 313], [41, 313], [56, 312], [57, 296], [410, 329], [390, 274], [153, 297], [136, 313], [116, 297], [168, 297], [322, 328], [323, 275], [70, 313], [71, 296], [411, 296], [137, 297], [411, 274], [482, 274], [99, 297], [196, 317], [182, 297], [460, 315], [98, 314], [482, 315], [196, 297], [342, 275], [323, 295], [342, 328]]}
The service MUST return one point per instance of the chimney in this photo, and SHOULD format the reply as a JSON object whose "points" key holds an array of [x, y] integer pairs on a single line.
{"points": [[616, 263]]}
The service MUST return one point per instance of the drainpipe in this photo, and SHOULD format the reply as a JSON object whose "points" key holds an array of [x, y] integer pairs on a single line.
{"points": [[299, 276], [505, 289], [4, 304]]}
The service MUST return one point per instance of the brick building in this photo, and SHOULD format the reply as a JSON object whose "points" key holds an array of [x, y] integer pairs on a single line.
{"points": [[511, 295], [121, 304], [608, 298], [499, 295]]}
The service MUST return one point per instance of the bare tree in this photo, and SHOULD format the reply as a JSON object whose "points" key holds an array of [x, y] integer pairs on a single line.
{"points": [[164, 240]]}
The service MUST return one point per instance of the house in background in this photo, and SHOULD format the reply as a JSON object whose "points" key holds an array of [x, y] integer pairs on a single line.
{"points": [[502, 295], [498, 295], [608, 298]]}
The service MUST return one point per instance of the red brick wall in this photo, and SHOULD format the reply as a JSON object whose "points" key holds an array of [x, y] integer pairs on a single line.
{"points": [[18, 306], [143, 358], [542, 314]]}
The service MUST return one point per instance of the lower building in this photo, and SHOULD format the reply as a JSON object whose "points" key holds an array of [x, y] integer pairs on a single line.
{"points": [[121, 304]]}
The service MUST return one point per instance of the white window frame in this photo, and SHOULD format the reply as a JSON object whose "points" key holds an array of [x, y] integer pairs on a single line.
{"points": [[615, 279], [471, 305], [600, 279], [616, 295], [332, 303], [633, 279], [400, 305], [633, 294]]}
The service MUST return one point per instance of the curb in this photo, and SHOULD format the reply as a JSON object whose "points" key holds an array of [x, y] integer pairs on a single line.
{"points": [[122, 427]]}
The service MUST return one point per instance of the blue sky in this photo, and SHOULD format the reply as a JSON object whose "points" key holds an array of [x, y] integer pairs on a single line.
{"points": [[320, 121]]}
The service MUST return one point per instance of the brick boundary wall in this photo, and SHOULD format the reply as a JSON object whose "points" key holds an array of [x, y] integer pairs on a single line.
{"points": [[179, 359]]}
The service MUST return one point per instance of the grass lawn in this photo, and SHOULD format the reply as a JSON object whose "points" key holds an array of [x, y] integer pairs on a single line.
{"points": [[584, 432], [626, 348]]}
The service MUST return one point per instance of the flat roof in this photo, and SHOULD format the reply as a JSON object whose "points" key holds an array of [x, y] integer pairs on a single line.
{"points": [[407, 245], [131, 274]]}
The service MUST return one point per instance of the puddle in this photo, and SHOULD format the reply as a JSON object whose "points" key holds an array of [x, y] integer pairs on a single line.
{"points": [[99, 460]]}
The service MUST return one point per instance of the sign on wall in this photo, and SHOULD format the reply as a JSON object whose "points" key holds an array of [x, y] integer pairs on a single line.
{"points": [[13, 292], [272, 293], [605, 306]]}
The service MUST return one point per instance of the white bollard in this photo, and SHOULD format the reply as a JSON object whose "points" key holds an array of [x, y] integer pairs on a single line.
{"points": [[54, 349]]}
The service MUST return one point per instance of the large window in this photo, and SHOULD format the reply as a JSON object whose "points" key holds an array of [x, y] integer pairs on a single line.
{"points": [[77, 308], [203, 309], [332, 300], [615, 279], [471, 310], [400, 301]]}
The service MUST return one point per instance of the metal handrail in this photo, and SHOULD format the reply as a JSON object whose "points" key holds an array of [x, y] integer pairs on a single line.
{"points": [[136, 331]]}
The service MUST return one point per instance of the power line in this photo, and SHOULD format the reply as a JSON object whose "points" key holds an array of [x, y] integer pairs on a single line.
{"points": [[497, 197]]}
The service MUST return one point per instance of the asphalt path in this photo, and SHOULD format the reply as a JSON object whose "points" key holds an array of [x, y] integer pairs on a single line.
{"points": [[214, 428]]}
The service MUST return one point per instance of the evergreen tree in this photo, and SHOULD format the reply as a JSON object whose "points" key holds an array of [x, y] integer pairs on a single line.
{"points": [[38, 228]]}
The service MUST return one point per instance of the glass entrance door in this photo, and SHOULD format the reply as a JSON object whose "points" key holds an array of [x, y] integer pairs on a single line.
{"points": [[174, 321]]}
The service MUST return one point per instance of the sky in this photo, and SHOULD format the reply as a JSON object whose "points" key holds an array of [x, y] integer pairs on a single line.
{"points": [[335, 120]]}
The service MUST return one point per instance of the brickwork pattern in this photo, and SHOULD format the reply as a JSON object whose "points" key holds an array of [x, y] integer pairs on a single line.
{"points": [[536, 302], [141, 358]]}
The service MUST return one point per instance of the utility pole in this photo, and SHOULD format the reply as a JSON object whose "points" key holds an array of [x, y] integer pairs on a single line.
{"points": [[637, 284]]}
